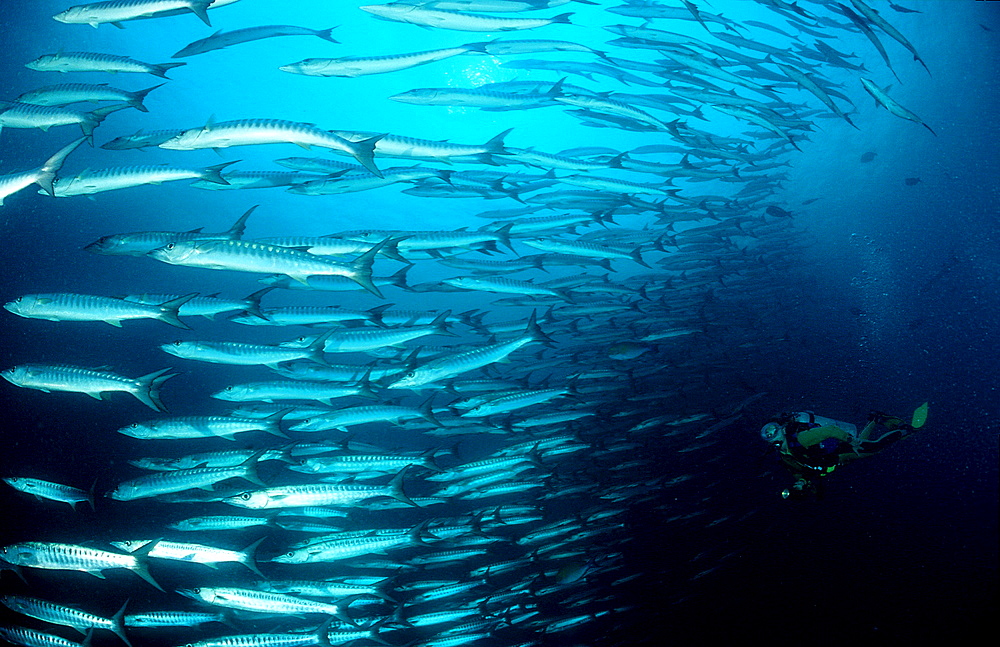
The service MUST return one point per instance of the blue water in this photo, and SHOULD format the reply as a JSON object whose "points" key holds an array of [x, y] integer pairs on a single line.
{"points": [[881, 295]]}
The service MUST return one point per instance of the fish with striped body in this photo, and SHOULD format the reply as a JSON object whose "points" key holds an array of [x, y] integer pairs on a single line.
{"points": [[63, 306], [291, 390], [262, 601], [67, 93], [116, 12], [125, 177], [70, 557], [248, 132], [194, 553], [66, 616], [94, 62], [319, 494], [457, 21], [203, 427], [452, 365], [223, 39], [158, 483], [93, 382], [26, 115], [248, 256], [354, 66], [50, 491]]}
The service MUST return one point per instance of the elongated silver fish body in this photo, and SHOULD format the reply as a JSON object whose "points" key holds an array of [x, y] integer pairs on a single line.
{"points": [[63, 615], [171, 619], [63, 377], [124, 177], [70, 557], [33, 638], [456, 20], [118, 11], [318, 494], [259, 601], [273, 131], [353, 66], [254, 257], [225, 39], [159, 483], [94, 62], [200, 427], [64, 306], [48, 490]]}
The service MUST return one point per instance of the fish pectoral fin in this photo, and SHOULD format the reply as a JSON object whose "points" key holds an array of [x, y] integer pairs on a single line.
{"points": [[98, 574], [114, 322], [95, 394]]}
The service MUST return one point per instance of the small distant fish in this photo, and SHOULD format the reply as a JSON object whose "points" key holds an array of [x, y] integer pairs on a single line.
{"points": [[809, 201], [903, 9], [869, 156], [223, 39], [883, 99], [51, 491], [910, 181], [778, 212]]}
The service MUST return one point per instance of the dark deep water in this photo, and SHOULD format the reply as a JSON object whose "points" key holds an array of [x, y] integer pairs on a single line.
{"points": [[877, 294]]}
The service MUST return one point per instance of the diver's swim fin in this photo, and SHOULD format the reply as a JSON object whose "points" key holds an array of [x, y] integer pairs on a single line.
{"points": [[919, 416]]}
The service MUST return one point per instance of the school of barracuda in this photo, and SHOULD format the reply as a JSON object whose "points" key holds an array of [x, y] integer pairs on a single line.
{"points": [[613, 261]]}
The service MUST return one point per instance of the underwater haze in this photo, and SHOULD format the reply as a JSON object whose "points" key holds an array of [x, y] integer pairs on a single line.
{"points": [[455, 322]]}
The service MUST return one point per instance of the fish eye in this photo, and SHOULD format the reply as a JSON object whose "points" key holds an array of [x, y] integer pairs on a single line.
{"points": [[169, 246], [290, 554], [196, 591], [245, 496], [177, 343], [229, 388], [134, 425]]}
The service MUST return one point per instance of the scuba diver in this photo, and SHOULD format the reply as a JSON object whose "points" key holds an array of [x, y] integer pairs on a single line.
{"points": [[812, 447]]}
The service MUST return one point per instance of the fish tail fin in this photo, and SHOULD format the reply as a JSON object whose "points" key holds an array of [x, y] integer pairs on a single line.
{"points": [[253, 302], [562, 18], [139, 96], [169, 311], [638, 258], [327, 34], [362, 267], [271, 424], [479, 48], [364, 152], [929, 128], [162, 69], [248, 557], [440, 324], [398, 278], [236, 231], [427, 411], [534, 332], [118, 624], [495, 146], [214, 173], [148, 391], [47, 173], [250, 468], [200, 9], [503, 235], [141, 567], [395, 488]]}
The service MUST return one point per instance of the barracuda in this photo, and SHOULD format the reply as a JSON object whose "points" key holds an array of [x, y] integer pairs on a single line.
{"points": [[359, 341], [412, 148], [240, 354], [141, 243], [505, 285], [52, 491], [354, 66], [203, 427], [588, 250], [267, 259], [69, 557], [67, 93], [452, 365], [172, 619], [456, 20], [32, 638], [227, 458], [338, 549], [320, 494], [354, 463], [219, 522], [195, 553], [125, 177], [44, 176], [66, 616], [91, 62], [62, 377], [220, 39], [63, 306], [274, 131], [159, 483], [261, 601], [291, 390], [24, 115], [117, 11], [350, 416]]}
